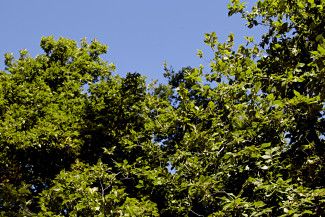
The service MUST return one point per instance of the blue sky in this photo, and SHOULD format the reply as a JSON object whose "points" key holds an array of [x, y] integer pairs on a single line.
{"points": [[141, 34]]}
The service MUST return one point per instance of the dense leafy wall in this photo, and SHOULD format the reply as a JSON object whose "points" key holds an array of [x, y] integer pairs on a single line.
{"points": [[244, 139]]}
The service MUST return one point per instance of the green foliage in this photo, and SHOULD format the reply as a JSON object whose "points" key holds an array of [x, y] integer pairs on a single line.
{"points": [[245, 139]]}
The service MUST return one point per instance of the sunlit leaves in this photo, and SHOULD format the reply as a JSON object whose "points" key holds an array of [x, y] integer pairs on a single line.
{"points": [[244, 137]]}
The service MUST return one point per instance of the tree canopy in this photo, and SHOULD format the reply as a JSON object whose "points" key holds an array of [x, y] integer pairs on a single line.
{"points": [[242, 137]]}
